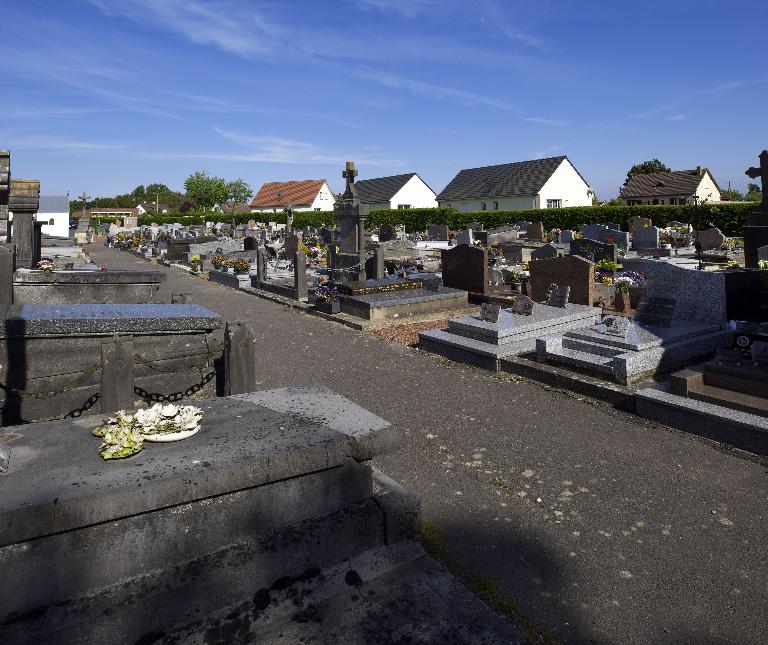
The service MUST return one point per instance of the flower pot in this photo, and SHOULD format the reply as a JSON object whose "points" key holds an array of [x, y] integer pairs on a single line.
{"points": [[621, 301], [241, 272], [763, 277], [218, 267], [328, 307], [636, 293]]}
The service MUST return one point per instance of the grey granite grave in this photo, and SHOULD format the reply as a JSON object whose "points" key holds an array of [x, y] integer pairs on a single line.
{"points": [[86, 287], [696, 330], [402, 304], [646, 238], [469, 339], [53, 354], [710, 239]]}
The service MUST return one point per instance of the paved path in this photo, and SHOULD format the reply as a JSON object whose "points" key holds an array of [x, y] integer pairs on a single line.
{"points": [[603, 527]]}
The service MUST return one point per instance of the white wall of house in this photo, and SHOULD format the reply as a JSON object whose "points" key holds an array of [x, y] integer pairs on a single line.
{"points": [[324, 200], [565, 185], [707, 189], [414, 194], [517, 202], [60, 226]]}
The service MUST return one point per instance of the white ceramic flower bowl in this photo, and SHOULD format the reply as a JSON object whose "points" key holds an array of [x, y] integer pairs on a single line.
{"points": [[167, 437]]}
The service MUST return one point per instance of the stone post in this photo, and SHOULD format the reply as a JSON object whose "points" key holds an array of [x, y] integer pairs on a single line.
{"points": [[117, 374], [362, 215], [37, 242], [261, 266], [300, 277], [239, 358], [23, 203], [7, 262]]}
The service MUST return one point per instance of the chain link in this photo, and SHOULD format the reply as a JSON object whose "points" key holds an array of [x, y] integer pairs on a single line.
{"points": [[23, 394]]}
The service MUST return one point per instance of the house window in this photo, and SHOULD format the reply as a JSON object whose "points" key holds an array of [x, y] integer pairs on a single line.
{"points": [[554, 203], [403, 206], [673, 201], [495, 206], [483, 206], [317, 209]]}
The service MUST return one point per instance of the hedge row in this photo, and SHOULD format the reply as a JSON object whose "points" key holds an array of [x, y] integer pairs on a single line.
{"points": [[728, 217]]}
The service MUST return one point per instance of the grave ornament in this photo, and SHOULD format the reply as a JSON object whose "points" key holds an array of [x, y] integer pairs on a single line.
{"points": [[523, 305], [614, 326], [490, 311], [558, 296]]}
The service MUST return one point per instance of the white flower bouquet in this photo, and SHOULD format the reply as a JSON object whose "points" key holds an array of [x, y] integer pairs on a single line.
{"points": [[124, 434]]}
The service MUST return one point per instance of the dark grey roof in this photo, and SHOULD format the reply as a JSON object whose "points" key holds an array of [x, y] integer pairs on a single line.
{"points": [[53, 204], [382, 189], [504, 180], [659, 184]]}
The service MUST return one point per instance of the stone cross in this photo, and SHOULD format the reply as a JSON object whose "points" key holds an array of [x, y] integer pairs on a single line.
{"points": [[349, 174], [761, 172]]}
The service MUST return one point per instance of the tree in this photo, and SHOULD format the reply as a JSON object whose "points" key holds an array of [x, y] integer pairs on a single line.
{"points": [[732, 195], [238, 191], [154, 189], [753, 193], [139, 194], [206, 191], [646, 168]]}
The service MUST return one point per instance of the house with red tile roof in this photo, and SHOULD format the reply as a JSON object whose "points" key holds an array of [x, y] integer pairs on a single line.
{"points": [[302, 195]]}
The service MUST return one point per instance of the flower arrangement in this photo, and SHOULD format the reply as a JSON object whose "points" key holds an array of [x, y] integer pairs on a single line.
{"points": [[103, 267], [45, 265], [638, 279], [623, 283], [554, 235], [217, 260], [327, 293], [762, 265], [605, 278], [124, 434], [238, 265], [606, 265]]}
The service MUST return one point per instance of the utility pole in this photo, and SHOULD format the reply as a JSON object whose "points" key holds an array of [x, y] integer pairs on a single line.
{"points": [[157, 204]]}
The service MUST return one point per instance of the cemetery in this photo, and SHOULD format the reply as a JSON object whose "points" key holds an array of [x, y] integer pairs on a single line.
{"points": [[133, 423]]}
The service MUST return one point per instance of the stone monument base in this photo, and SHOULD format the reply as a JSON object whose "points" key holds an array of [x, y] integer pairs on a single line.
{"points": [[482, 343], [651, 351], [86, 287]]}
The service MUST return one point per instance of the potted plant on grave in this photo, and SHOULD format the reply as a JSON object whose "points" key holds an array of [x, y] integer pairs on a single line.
{"points": [[607, 267], [194, 262], [327, 299], [239, 266], [637, 289], [45, 266], [218, 262], [621, 299]]}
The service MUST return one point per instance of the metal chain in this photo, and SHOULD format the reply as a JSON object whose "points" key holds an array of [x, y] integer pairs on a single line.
{"points": [[23, 394]]}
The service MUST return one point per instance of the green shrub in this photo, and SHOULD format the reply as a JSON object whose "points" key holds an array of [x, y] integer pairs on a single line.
{"points": [[728, 217]]}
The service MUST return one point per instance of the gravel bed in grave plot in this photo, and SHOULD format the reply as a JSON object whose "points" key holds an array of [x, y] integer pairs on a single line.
{"points": [[408, 333]]}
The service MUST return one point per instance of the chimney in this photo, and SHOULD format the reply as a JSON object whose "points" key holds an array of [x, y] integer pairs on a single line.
{"points": [[699, 171]]}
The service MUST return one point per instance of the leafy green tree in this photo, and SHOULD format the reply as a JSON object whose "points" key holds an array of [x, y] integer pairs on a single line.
{"points": [[238, 190], [206, 191], [154, 189], [139, 194], [646, 168], [753, 193], [732, 195]]}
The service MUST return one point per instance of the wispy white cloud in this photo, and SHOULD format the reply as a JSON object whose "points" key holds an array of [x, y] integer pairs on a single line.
{"points": [[407, 8], [677, 117], [53, 143], [274, 149], [232, 27]]}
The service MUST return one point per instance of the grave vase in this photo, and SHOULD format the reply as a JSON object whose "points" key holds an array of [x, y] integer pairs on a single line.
{"points": [[328, 307], [621, 301], [636, 293]]}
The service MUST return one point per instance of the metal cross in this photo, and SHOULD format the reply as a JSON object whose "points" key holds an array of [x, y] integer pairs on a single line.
{"points": [[761, 172]]}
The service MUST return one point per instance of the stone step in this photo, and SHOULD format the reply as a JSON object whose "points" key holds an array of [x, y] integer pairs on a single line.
{"points": [[589, 347], [585, 360]]}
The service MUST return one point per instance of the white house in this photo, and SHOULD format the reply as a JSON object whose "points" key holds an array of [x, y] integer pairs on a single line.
{"points": [[152, 208], [541, 183], [54, 210], [398, 191], [303, 195], [675, 187]]}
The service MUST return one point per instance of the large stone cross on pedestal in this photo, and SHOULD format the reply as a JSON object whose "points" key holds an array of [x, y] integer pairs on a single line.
{"points": [[761, 172], [349, 174]]}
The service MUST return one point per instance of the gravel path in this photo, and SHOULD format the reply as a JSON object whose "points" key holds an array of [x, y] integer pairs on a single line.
{"points": [[600, 526]]}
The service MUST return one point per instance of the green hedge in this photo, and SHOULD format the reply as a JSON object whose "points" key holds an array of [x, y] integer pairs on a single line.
{"points": [[729, 218]]}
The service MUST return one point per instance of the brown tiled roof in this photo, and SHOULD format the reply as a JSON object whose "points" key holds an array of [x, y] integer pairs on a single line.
{"points": [[133, 211], [661, 184], [295, 193]]}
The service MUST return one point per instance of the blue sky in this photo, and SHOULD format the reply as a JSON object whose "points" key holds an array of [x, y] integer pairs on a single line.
{"points": [[103, 95]]}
